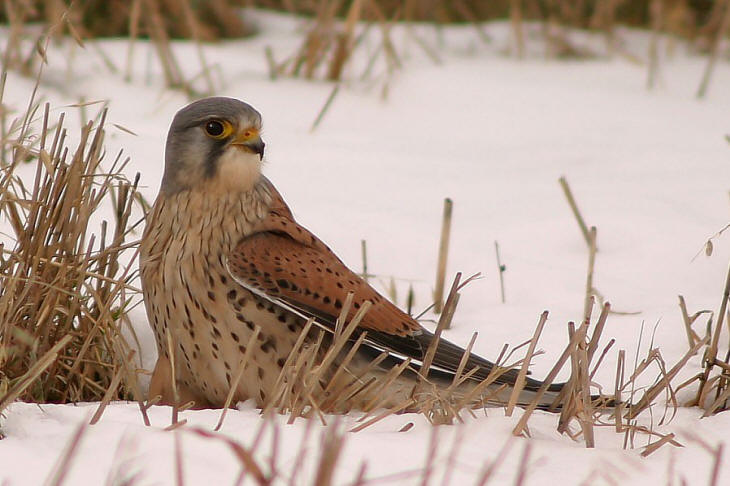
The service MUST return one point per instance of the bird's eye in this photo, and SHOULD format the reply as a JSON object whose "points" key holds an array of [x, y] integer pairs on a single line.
{"points": [[217, 128]]}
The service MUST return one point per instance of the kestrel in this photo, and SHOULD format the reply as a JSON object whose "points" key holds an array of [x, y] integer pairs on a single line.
{"points": [[222, 257]]}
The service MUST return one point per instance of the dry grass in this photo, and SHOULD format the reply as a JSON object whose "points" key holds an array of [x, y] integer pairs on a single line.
{"points": [[65, 281], [158, 20], [713, 392], [255, 466], [103, 18], [323, 459], [438, 293], [328, 43]]}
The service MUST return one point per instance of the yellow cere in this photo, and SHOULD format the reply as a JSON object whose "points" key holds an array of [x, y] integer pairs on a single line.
{"points": [[247, 135]]}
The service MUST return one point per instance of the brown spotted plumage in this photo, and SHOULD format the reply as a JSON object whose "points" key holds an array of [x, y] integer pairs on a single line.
{"points": [[286, 261], [223, 259]]}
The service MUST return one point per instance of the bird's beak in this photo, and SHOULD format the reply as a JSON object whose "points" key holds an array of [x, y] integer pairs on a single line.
{"points": [[251, 141]]}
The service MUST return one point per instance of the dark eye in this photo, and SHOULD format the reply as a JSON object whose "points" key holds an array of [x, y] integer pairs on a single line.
{"points": [[214, 128]]}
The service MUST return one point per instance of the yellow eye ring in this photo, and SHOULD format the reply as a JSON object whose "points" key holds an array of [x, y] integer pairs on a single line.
{"points": [[218, 129]]}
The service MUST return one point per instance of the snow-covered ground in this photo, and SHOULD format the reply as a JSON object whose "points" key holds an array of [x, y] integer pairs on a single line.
{"points": [[650, 169]]}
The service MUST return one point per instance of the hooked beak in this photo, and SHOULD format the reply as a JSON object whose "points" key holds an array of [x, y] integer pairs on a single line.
{"points": [[251, 142]]}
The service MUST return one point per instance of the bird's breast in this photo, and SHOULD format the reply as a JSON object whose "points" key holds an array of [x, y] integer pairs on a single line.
{"points": [[189, 293]]}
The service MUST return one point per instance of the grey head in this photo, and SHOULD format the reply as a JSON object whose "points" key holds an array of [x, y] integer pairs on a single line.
{"points": [[213, 139]]}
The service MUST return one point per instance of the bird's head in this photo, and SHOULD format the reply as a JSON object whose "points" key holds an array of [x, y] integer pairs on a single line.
{"points": [[214, 142]]}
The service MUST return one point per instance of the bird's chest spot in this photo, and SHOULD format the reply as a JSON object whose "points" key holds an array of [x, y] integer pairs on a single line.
{"points": [[214, 321]]}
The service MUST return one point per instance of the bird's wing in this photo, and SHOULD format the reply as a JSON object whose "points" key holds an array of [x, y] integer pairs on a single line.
{"points": [[289, 264], [286, 264]]}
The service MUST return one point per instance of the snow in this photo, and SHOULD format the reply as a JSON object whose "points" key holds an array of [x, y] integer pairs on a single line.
{"points": [[650, 169]]}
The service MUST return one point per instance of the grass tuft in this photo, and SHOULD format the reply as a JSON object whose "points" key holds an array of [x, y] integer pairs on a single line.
{"points": [[65, 280]]}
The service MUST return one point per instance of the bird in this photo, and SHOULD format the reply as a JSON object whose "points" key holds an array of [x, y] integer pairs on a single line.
{"points": [[227, 272]]}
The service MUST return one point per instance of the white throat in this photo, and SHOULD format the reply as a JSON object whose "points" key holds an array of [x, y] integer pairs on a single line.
{"points": [[238, 170]]}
